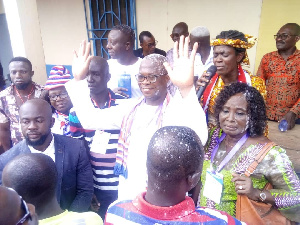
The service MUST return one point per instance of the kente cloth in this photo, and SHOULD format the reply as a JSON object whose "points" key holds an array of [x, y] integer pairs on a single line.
{"points": [[216, 85], [66, 217], [125, 132], [282, 79], [9, 111], [275, 168], [138, 211], [61, 124]]}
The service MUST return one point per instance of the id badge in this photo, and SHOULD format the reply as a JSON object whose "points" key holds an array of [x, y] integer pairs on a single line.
{"points": [[213, 186], [100, 142]]}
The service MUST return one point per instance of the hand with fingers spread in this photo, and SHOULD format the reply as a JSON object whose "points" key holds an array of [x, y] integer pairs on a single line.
{"points": [[244, 186], [182, 74], [81, 61]]}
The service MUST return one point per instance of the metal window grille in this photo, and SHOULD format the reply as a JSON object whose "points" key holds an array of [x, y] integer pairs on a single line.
{"points": [[103, 15]]}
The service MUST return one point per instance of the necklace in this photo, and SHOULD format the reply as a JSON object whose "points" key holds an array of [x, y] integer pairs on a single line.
{"points": [[28, 96]]}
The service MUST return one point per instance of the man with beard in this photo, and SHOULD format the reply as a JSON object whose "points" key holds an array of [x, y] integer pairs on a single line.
{"points": [[21, 90], [75, 179], [281, 71]]}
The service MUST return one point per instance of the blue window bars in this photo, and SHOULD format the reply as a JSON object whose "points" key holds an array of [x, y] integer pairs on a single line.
{"points": [[102, 15]]}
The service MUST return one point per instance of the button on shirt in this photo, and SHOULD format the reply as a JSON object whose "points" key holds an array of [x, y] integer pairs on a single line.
{"points": [[50, 150], [282, 79]]}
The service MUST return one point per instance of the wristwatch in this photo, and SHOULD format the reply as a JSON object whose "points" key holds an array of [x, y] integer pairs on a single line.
{"points": [[262, 196]]}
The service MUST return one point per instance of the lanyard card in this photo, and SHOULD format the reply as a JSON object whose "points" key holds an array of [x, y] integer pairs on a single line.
{"points": [[100, 142], [213, 186]]}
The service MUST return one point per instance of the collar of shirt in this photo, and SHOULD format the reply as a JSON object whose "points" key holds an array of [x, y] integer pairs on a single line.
{"points": [[49, 151], [180, 210]]}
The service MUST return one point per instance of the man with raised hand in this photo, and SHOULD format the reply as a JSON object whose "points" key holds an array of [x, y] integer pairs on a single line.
{"points": [[139, 120]]}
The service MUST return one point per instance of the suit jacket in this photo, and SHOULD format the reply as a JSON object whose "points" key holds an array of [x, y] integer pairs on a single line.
{"points": [[139, 52], [75, 176]]}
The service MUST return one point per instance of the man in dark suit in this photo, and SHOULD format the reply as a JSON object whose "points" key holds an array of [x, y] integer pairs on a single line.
{"points": [[75, 179], [148, 45]]}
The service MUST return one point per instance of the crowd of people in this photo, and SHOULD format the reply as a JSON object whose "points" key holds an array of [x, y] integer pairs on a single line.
{"points": [[152, 151]]}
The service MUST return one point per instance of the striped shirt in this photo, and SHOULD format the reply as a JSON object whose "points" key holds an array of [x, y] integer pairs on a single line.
{"points": [[103, 148], [138, 211]]}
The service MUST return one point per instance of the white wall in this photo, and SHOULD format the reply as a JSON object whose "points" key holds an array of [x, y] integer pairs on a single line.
{"points": [[62, 27], [159, 17]]}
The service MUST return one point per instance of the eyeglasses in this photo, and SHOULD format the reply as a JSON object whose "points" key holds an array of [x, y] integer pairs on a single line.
{"points": [[150, 78], [283, 36], [174, 35], [61, 95], [27, 213], [152, 44]]}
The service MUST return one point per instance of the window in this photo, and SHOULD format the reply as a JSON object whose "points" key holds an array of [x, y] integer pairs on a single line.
{"points": [[102, 15]]}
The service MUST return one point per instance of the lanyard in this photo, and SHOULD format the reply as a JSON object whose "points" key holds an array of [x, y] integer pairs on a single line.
{"points": [[234, 150]]}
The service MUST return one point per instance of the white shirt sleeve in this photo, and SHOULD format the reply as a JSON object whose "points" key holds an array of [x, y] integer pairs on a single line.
{"points": [[187, 112], [90, 117]]}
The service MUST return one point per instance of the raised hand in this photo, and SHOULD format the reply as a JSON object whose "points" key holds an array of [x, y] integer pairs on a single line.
{"points": [[182, 74], [81, 61]]}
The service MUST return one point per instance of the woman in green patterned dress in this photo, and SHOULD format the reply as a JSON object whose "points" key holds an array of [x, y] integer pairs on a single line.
{"points": [[232, 147]]}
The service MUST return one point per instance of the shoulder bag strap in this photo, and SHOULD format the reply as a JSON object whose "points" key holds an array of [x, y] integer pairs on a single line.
{"points": [[259, 157]]}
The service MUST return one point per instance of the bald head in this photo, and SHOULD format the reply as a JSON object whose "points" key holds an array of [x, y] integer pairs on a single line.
{"points": [[100, 63], [36, 105], [10, 206], [294, 28], [155, 61], [178, 30], [174, 153], [33, 176]]}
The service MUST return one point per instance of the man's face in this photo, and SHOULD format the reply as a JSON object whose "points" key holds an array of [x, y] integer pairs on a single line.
{"points": [[97, 77], [286, 38], [117, 44], [152, 90], [148, 45], [177, 32], [60, 99], [20, 74], [35, 123]]}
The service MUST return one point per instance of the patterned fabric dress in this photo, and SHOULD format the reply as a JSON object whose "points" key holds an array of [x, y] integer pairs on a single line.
{"points": [[275, 168]]}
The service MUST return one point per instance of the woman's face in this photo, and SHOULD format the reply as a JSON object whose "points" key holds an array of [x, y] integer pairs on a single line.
{"points": [[234, 116], [226, 59]]}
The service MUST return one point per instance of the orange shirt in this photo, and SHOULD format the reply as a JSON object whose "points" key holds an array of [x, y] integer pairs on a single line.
{"points": [[282, 82]]}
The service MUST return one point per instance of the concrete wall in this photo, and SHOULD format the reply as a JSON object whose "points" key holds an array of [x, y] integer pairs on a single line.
{"points": [[62, 28], [275, 13], [159, 17]]}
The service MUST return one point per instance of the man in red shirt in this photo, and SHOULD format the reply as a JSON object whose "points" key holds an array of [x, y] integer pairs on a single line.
{"points": [[281, 72]]}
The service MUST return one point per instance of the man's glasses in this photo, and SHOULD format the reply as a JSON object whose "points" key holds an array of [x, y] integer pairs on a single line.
{"points": [[150, 78], [152, 44], [27, 213], [61, 95], [283, 36]]}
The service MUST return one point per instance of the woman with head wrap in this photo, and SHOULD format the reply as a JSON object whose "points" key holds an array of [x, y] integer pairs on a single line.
{"points": [[229, 53], [234, 145]]}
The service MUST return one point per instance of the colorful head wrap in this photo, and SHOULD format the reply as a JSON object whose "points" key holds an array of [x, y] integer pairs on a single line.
{"points": [[237, 43], [59, 75]]}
